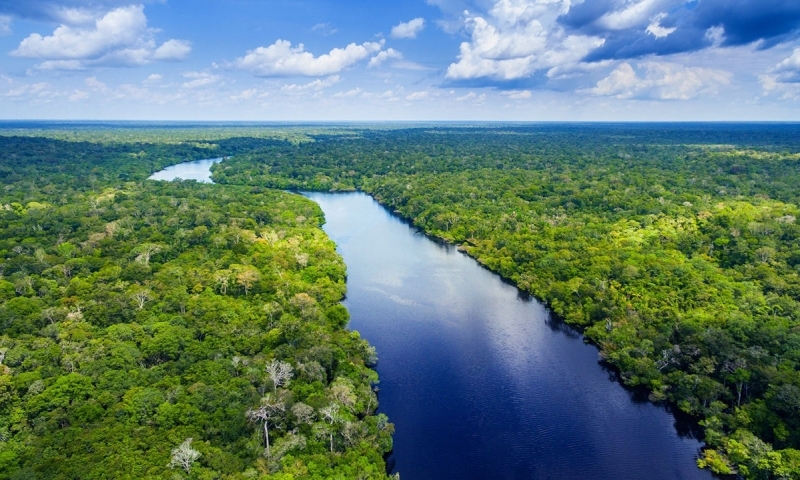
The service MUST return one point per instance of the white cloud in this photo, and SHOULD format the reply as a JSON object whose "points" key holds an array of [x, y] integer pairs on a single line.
{"points": [[94, 84], [408, 29], [138, 94], [418, 95], [783, 80], [784, 91], [788, 71], [384, 55], [248, 94], [117, 38], [73, 65], [5, 25], [315, 86], [472, 97], [324, 29], [78, 95], [655, 28], [199, 79], [391, 95], [629, 14], [661, 81], [34, 91], [153, 79], [119, 28], [173, 50], [349, 94], [282, 59], [516, 39], [517, 94]]}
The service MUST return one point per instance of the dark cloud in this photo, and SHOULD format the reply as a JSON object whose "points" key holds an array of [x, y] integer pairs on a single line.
{"points": [[635, 43], [747, 21], [742, 21], [584, 16]]}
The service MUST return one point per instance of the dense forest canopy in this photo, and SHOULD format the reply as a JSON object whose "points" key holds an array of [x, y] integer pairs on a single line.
{"points": [[138, 315], [676, 248], [172, 329]]}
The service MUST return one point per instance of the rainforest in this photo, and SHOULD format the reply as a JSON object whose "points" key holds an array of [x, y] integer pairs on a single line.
{"points": [[158, 329]]}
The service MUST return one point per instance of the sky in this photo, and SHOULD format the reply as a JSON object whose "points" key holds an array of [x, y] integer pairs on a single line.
{"points": [[400, 60]]}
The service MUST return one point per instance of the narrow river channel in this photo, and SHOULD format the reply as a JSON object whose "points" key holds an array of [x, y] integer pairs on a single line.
{"points": [[479, 379]]}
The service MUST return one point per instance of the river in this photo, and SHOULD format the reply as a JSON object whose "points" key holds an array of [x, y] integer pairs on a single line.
{"points": [[199, 170], [479, 379]]}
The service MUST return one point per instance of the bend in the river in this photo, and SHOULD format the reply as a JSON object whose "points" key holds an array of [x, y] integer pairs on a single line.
{"points": [[479, 379]]}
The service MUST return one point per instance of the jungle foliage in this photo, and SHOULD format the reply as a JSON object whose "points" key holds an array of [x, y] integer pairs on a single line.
{"points": [[675, 247], [162, 329]]}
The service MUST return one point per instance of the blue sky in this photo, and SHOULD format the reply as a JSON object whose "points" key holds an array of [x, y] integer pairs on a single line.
{"points": [[287, 60]]}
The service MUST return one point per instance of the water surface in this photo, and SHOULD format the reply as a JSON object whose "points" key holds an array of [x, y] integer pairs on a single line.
{"points": [[199, 170], [480, 381]]}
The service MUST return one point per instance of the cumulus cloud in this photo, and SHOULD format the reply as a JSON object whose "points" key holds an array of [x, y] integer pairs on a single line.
{"points": [[173, 50], [524, 43], [408, 29], [283, 59], [516, 39], [119, 37], [384, 55], [788, 71], [153, 79], [661, 81], [783, 79]]}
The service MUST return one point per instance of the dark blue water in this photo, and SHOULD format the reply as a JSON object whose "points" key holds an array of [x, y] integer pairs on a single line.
{"points": [[479, 380]]}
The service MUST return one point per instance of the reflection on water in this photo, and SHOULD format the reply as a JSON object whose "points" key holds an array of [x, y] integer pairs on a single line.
{"points": [[199, 170], [480, 381]]}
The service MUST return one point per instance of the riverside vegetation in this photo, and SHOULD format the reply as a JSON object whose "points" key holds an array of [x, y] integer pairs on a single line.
{"points": [[172, 329], [675, 247], [146, 324]]}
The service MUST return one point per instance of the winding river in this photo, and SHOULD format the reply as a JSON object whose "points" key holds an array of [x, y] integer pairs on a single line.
{"points": [[479, 379]]}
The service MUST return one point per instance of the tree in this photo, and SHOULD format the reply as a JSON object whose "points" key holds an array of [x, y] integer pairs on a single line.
{"points": [[141, 297], [184, 456], [222, 278], [270, 409], [330, 414], [145, 251], [247, 277], [280, 373]]}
